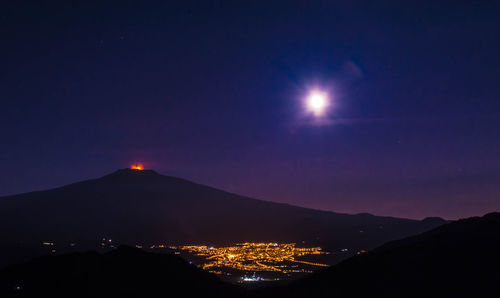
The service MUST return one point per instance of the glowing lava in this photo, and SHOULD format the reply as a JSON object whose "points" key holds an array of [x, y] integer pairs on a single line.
{"points": [[137, 166]]}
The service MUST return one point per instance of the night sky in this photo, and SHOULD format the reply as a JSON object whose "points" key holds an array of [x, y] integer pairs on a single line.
{"points": [[214, 93]]}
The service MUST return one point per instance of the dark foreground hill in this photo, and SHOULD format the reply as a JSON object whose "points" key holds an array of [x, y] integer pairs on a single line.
{"points": [[144, 207], [460, 259], [125, 272]]}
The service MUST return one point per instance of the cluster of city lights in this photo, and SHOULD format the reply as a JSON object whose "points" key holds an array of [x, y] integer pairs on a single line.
{"points": [[254, 256]]}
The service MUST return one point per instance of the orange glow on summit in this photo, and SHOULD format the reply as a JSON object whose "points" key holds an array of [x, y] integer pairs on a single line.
{"points": [[137, 166]]}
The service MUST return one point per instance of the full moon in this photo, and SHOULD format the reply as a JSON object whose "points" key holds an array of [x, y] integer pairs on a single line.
{"points": [[317, 102]]}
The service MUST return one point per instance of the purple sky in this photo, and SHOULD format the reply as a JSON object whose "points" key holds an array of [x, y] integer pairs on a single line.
{"points": [[214, 93]]}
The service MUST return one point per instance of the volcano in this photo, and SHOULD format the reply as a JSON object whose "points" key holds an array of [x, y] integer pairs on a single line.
{"points": [[145, 207]]}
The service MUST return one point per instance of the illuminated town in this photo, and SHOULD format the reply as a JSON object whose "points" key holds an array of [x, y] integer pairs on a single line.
{"points": [[255, 257], [242, 262]]}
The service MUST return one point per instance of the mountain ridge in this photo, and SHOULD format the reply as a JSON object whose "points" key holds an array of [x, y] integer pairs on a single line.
{"points": [[430, 264], [128, 173], [459, 259], [124, 272], [144, 207]]}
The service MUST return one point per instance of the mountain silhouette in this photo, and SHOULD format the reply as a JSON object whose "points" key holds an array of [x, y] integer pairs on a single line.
{"points": [[124, 272], [459, 259], [144, 207]]}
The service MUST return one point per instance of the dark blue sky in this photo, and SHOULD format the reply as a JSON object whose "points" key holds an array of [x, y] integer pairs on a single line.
{"points": [[213, 93]]}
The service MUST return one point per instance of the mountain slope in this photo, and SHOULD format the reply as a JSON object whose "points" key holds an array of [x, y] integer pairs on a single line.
{"points": [[125, 272], [460, 259], [145, 207]]}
